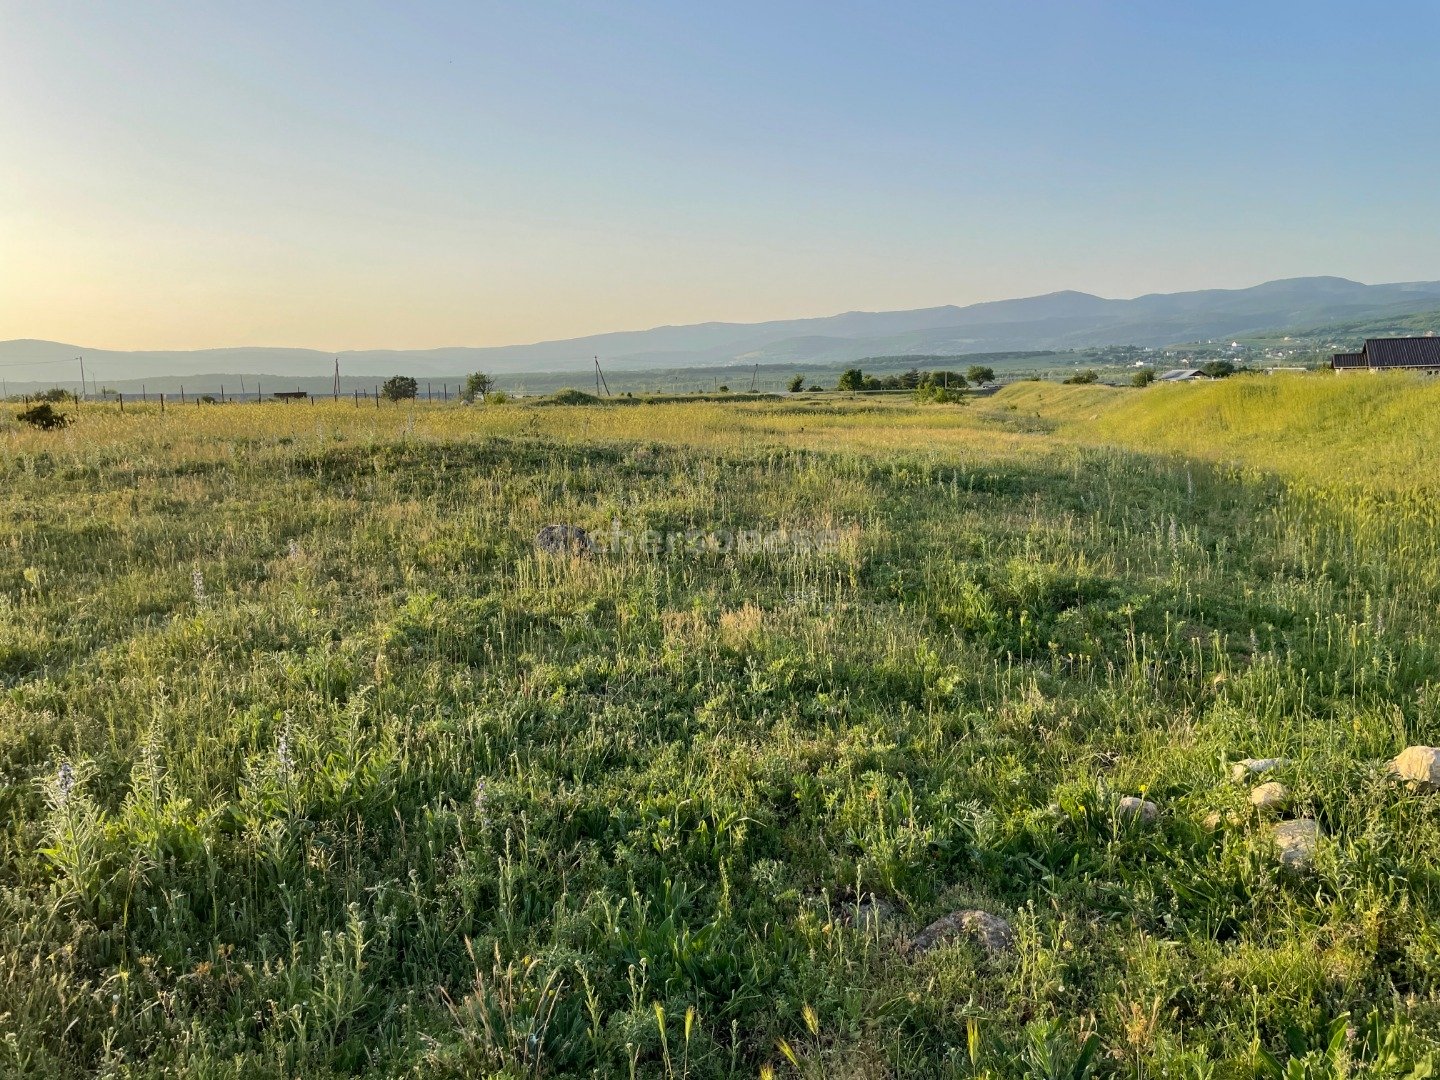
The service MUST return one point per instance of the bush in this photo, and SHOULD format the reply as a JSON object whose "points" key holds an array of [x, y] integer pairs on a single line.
{"points": [[570, 397], [1143, 377], [980, 374], [1218, 369], [55, 394], [400, 388], [1083, 378], [44, 417], [939, 395], [477, 385], [852, 379], [797, 384]]}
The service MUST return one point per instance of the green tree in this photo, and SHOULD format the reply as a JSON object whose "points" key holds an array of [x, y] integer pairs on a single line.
{"points": [[978, 373], [1082, 378], [477, 385], [400, 388], [1218, 369], [797, 384], [1143, 377], [852, 379]]}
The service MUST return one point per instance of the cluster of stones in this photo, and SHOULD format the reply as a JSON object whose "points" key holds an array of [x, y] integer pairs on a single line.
{"points": [[1295, 841]]}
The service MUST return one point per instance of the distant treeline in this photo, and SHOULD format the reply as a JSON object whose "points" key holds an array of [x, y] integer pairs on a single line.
{"points": [[917, 359]]}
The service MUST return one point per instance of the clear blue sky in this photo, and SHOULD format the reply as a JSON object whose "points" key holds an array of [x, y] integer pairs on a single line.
{"points": [[352, 174]]}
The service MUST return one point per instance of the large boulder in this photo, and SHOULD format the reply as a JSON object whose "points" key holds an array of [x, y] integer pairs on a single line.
{"points": [[1418, 764], [990, 932]]}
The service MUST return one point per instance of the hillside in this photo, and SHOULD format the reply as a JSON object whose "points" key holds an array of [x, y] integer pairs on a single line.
{"points": [[1379, 433], [1057, 321]]}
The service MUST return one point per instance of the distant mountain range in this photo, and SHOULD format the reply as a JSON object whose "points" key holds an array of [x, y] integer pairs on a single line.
{"points": [[1062, 320]]}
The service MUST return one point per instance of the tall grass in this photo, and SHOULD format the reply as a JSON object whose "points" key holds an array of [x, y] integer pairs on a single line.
{"points": [[312, 765]]}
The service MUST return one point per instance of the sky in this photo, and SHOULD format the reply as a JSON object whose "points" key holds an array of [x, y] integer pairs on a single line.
{"points": [[381, 175]]}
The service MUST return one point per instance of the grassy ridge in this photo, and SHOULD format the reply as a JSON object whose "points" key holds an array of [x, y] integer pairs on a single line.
{"points": [[313, 765], [1377, 432]]}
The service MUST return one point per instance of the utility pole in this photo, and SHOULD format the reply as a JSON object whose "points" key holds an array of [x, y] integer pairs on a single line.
{"points": [[336, 387], [82, 377], [600, 379], [753, 376]]}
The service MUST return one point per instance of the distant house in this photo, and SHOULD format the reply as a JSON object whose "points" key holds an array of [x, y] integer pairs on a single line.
{"points": [[1420, 354], [1182, 375]]}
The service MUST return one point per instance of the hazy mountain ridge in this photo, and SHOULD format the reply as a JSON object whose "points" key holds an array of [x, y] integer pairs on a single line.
{"points": [[1060, 320]]}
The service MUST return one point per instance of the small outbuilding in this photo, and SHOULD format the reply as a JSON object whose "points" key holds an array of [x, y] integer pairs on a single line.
{"points": [[1182, 375]]}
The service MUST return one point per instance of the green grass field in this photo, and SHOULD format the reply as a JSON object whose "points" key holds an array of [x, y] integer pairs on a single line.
{"points": [[311, 765]]}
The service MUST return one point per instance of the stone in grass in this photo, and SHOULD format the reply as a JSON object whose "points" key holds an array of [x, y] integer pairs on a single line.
{"points": [[990, 932], [564, 540], [1418, 764], [871, 915], [1245, 768], [1269, 797], [1132, 809], [1295, 842]]}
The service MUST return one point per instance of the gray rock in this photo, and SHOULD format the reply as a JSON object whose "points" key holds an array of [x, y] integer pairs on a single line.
{"points": [[1132, 809], [1419, 765], [1245, 768], [1295, 842], [1269, 797], [990, 932], [872, 916], [564, 540]]}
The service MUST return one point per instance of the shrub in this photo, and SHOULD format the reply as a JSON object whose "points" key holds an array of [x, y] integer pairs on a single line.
{"points": [[570, 397], [797, 384], [978, 373], [852, 379], [1218, 369], [477, 385], [55, 394], [939, 395], [400, 388], [1082, 378], [1143, 377], [44, 417]]}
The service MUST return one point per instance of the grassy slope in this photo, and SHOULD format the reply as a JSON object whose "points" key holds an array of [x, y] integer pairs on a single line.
{"points": [[1374, 432], [330, 718]]}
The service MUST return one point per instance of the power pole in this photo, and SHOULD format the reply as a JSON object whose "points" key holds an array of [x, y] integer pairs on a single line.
{"points": [[82, 377], [336, 388], [753, 376], [600, 379]]}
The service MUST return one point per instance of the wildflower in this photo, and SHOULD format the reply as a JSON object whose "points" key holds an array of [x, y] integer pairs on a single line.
{"points": [[482, 803], [293, 548], [282, 751], [197, 582], [64, 782]]}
